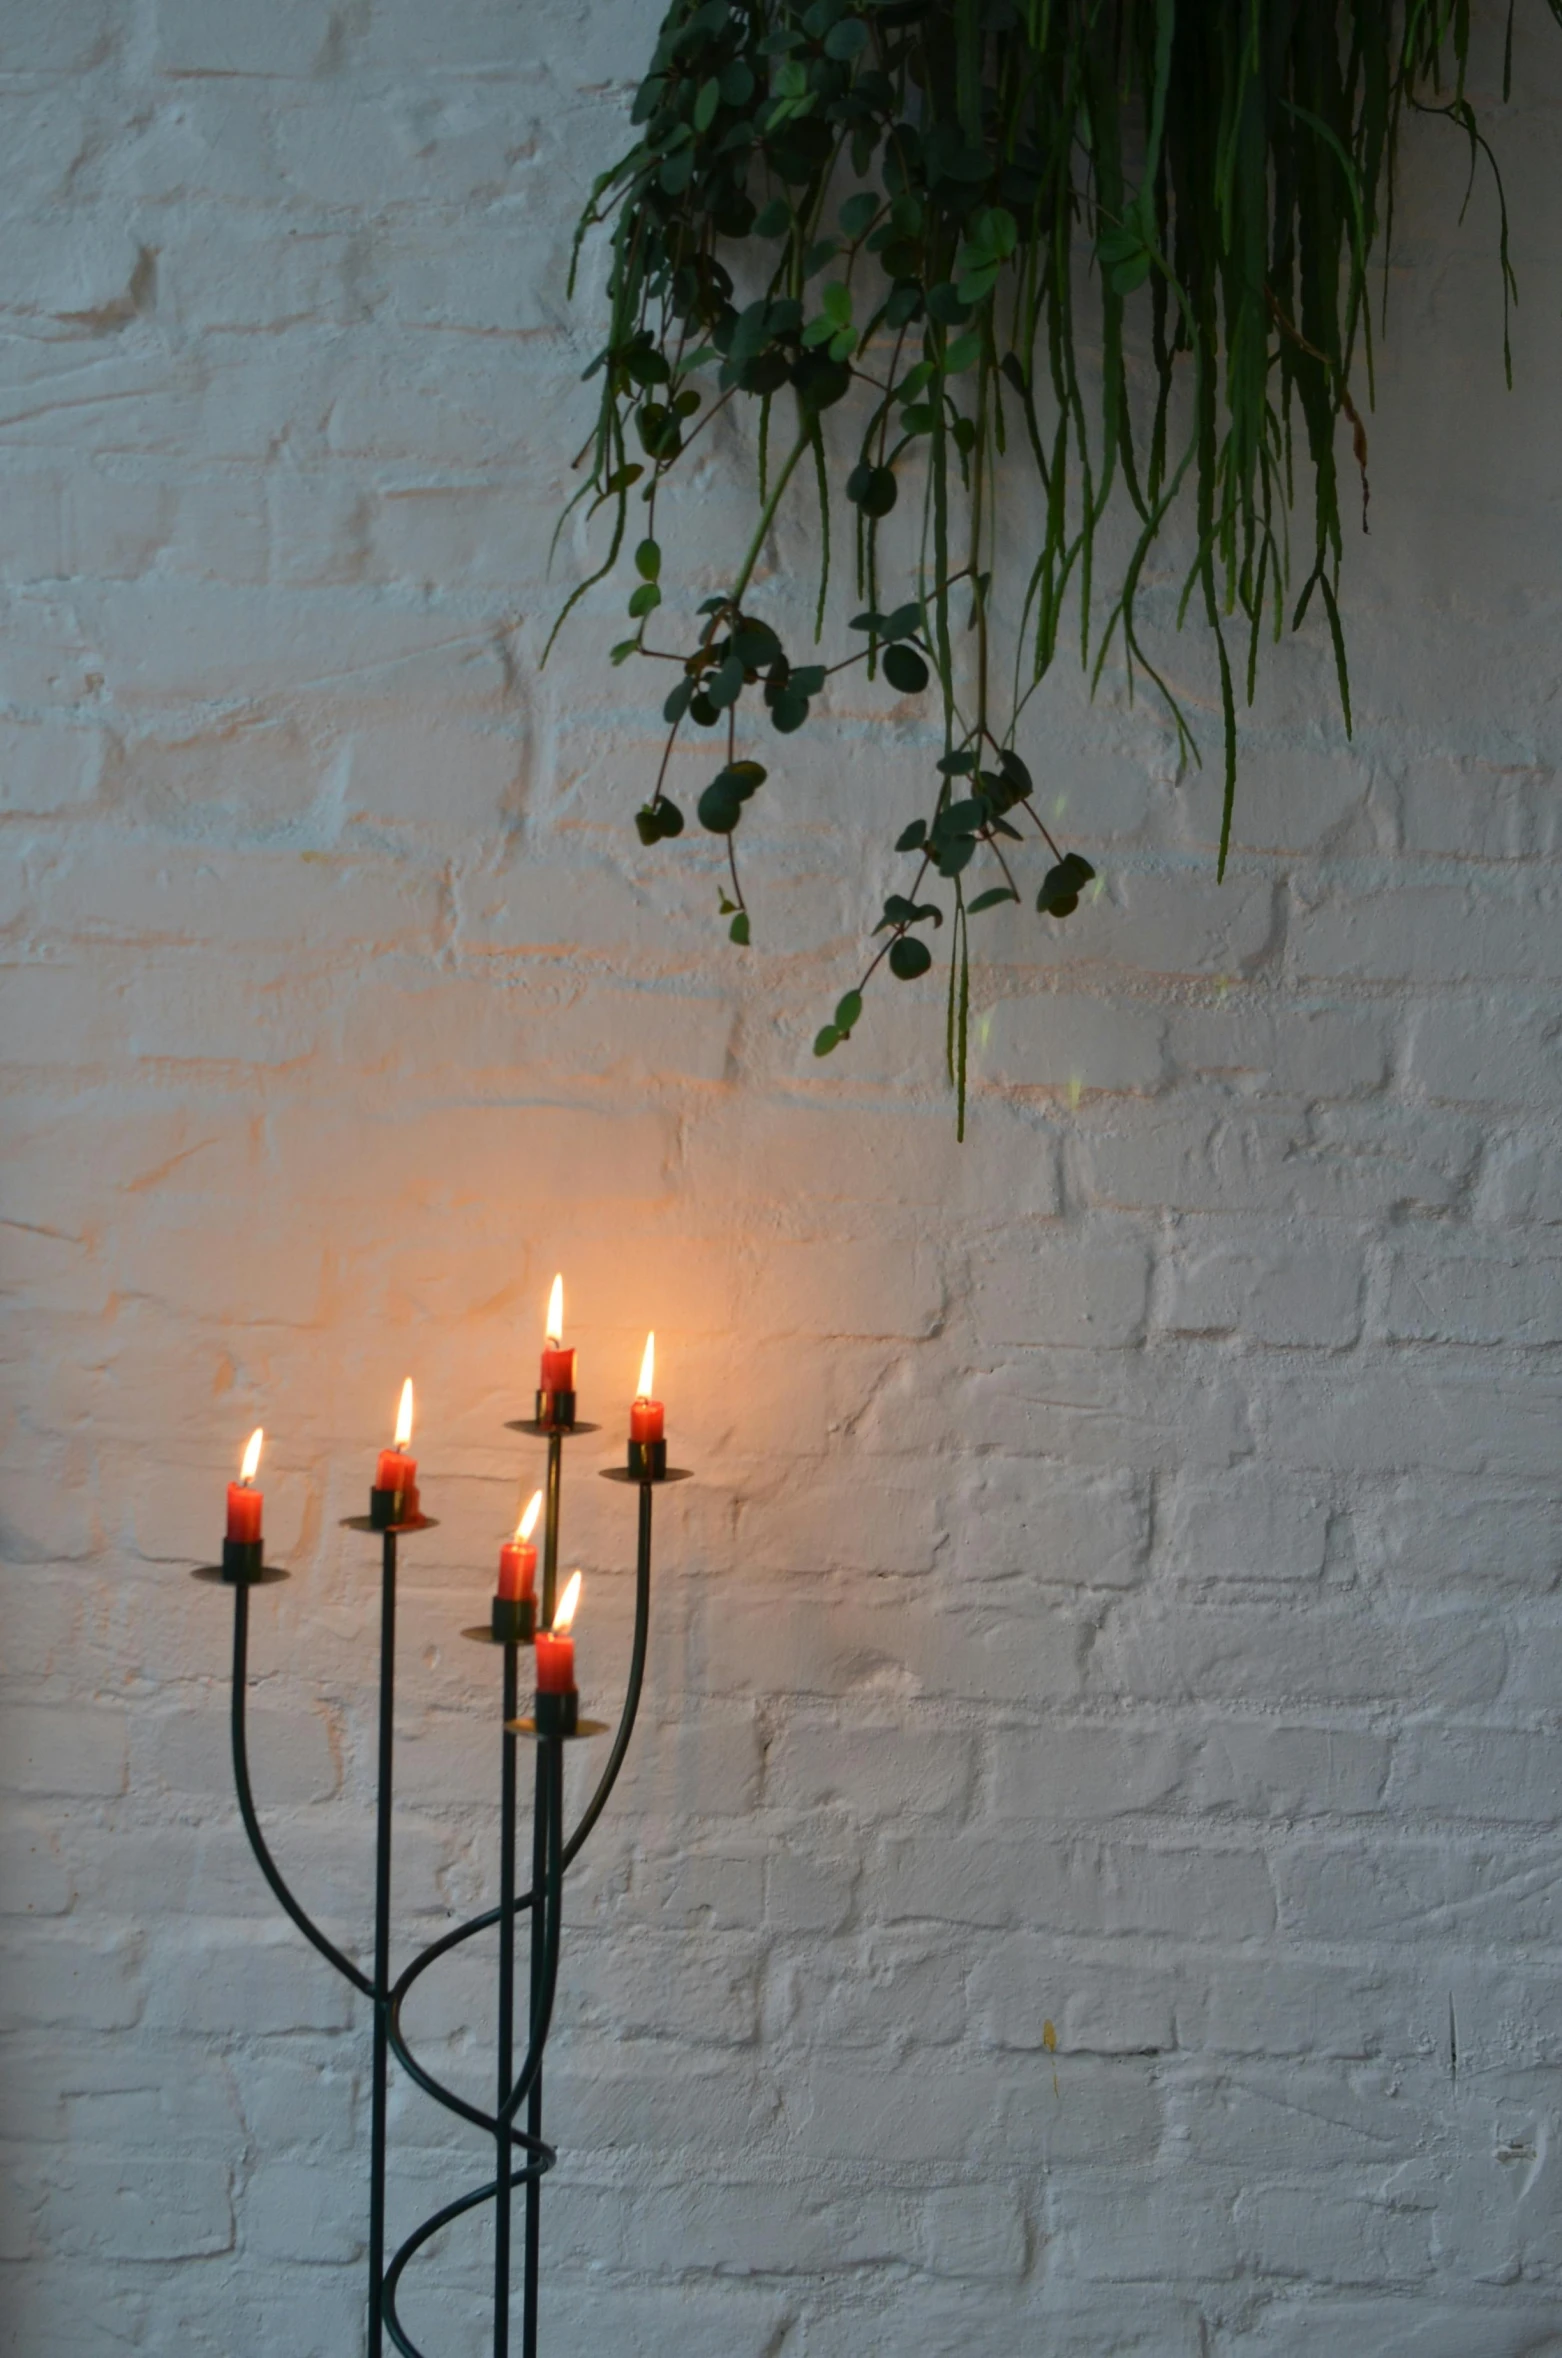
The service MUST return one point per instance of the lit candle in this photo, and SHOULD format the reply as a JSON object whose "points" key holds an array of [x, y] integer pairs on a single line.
{"points": [[558, 1365], [244, 1501], [396, 1470], [645, 1414], [556, 1646], [518, 1558]]}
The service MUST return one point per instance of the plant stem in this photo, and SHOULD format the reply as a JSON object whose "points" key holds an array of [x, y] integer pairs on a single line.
{"points": [[767, 517]]}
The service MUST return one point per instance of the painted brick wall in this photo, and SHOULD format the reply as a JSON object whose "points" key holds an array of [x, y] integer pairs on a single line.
{"points": [[1123, 1589]]}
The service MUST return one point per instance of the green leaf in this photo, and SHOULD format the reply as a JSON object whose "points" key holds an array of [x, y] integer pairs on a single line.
{"points": [[960, 818], [807, 679], [622, 652], [725, 684], [658, 819], [990, 899], [678, 701], [1062, 885], [644, 600], [847, 1012], [754, 644], [945, 306], [846, 40], [905, 670], [873, 489], [775, 219], [737, 931], [904, 620], [789, 711], [648, 561], [706, 104], [720, 808], [1129, 275], [858, 211], [826, 1038], [909, 957], [912, 838]]}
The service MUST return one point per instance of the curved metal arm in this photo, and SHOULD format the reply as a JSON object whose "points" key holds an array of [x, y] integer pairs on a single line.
{"points": [[540, 2156], [257, 1841], [572, 1849]]}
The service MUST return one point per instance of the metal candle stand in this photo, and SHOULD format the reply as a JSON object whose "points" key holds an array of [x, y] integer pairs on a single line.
{"points": [[521, 2155]]}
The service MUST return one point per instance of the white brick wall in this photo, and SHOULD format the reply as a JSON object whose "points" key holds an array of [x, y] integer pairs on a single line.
{"points": [[1123, 1590]]}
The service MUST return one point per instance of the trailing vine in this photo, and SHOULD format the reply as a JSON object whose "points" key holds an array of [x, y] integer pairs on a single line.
{"points": [[938, 205]]}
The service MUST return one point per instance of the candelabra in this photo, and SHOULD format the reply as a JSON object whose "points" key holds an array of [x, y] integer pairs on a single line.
{"points": [[521, 2155]]}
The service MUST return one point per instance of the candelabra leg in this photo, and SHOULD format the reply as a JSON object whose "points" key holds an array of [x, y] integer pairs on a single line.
{"points": [[502, 2158], [382, 1927], [540, 1931], [550, 1530]]}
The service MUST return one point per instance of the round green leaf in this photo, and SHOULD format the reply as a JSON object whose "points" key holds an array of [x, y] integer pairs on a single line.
{"points": [[848, 1011], [720, 807], [826, 1038], [908, 958], [725, 685], [880, 492], [905, 670]]}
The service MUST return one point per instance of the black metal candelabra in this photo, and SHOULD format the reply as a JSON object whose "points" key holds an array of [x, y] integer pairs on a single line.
{"points": [[522, 2157]]}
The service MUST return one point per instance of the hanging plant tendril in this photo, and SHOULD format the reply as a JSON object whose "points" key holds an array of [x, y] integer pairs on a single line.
{"points": [[937, 206]]}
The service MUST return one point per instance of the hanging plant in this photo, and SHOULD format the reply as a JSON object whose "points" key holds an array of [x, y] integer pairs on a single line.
{"points": [[894, 225]]}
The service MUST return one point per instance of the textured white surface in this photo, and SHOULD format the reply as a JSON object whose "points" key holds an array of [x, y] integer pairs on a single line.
{"points": [[1123, 1588]]}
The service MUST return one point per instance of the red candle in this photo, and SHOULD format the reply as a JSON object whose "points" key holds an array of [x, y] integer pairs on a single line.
{"points": [[558, 1365], [518, 1558], [555, 1663], [244, 1501], [646, 1419], [396, 1470], [556, 1646]]}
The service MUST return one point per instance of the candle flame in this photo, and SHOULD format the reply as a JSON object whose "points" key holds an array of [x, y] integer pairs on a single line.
{"points": [[252, 1454], [566, 1606], [404, 1416], [647, 1368], [555, 1326], [528, 1522]]}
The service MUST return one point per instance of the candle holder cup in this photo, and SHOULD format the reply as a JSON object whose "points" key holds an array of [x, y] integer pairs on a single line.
{"points": [[243, 1560], [647, 1461], [557, 1715], [514, 1620], [556, 1411], [389, 1509]]}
